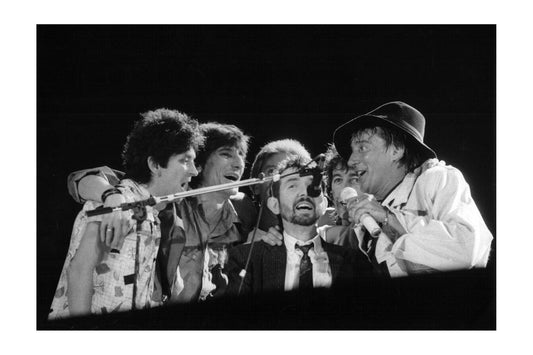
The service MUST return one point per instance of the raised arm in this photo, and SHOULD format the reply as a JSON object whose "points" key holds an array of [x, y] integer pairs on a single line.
{"points": [[91, 184]]}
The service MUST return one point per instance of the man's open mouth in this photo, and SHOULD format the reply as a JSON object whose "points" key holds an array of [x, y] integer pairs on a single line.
{"points": [[232, 177], [304, 206], [185, 184]]}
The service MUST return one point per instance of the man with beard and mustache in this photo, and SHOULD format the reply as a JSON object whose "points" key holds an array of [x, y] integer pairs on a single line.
{"points": [[304, 260]]}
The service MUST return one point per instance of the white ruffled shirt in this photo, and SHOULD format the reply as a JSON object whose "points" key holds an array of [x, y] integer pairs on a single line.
{"points": [[445, 230], [319, 259]]}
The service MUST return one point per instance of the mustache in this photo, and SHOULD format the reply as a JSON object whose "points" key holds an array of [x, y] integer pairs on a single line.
{"points": [[304, 199]]}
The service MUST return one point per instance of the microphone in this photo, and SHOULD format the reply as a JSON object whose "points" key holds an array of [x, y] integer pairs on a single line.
{"points": [[315, 188], [367, 220]]}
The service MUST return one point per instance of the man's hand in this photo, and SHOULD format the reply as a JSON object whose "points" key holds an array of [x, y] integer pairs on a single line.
{"points": [[115, 226], [365, 203], [272, 237]]}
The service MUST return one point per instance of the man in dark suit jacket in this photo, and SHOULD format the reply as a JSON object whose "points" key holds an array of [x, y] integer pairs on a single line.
{"points": [[304, 260]]}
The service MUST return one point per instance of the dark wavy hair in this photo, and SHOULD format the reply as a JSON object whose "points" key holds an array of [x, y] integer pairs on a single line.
{"points": [[333, 160], [159, 134], [219, 135]]}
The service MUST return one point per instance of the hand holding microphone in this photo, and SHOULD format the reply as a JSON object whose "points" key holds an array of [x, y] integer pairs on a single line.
{"points": [[366, 219]]}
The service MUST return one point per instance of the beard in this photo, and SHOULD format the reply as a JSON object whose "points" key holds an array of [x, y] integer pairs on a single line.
{"points": [[289, 214]]}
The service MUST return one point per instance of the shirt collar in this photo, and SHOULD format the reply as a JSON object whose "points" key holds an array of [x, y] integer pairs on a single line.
{"points": [[290, 242], [228, 216], [401, 193]]}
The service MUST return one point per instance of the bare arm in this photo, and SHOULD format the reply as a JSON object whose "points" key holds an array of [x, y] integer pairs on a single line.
{"points": [[109, 177], [114, 226], [80, 271]]}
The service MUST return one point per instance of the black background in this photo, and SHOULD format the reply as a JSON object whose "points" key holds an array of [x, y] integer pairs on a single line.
{"points": [[272, 81]]}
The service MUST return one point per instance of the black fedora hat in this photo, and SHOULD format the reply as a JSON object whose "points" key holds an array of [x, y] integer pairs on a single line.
{"points": [[394, 114]]}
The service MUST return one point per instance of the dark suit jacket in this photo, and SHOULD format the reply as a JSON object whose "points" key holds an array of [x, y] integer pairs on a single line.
{"points": [[266, 271]]}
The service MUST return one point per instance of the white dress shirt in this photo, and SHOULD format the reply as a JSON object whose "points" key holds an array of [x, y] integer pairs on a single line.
{"points": [[319, 259]]}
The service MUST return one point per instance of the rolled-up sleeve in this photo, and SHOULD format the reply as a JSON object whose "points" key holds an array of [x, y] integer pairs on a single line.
{"points": [[445, 230], [111, 175]]}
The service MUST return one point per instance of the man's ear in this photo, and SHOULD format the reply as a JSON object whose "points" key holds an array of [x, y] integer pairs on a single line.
{"points": [[273, 205], [396, 152], [153, 165]]}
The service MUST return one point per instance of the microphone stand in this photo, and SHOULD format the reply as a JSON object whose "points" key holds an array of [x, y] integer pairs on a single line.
{"points": [[139, 215], [152, 201]]}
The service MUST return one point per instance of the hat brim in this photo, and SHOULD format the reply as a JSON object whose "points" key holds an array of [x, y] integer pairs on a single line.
{"points": [[342, 136]]}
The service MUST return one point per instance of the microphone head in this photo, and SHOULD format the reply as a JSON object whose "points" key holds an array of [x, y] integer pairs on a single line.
{"points": [[315, 188], [347, 193], [314, 191]]}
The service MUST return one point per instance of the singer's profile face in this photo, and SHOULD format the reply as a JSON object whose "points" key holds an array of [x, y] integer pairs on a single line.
{"points": [[224, 165], [373, 162], [177, 174], [341, 178], [296, 206]]}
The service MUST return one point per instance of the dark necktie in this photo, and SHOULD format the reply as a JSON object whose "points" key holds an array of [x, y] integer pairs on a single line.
{"points": [[306, 268]]}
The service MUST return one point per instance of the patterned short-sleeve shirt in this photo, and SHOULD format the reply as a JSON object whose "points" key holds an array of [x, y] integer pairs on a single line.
{"points": [[113, 277]]}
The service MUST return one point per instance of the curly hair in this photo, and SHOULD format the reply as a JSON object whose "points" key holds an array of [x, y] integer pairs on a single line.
{"points": [[333, 161], [159, 134], [288, 146], [219, 135]]}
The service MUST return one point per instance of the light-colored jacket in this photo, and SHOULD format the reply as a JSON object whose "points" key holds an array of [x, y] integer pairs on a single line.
{"points": [[445, 230]]}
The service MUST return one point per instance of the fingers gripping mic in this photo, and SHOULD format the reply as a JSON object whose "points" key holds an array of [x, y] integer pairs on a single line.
{"points": [[367, 220]]}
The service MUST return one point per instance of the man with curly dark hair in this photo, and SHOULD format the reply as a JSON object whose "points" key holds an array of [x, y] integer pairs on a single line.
{"points": [[338, 175], [197, 231], [100, 278]]}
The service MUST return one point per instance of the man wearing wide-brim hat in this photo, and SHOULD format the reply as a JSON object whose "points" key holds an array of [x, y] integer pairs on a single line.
{"points": [[428, 219]]}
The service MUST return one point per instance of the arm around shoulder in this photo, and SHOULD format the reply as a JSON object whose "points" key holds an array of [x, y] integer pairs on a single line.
{"points": [[89, 184]]}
